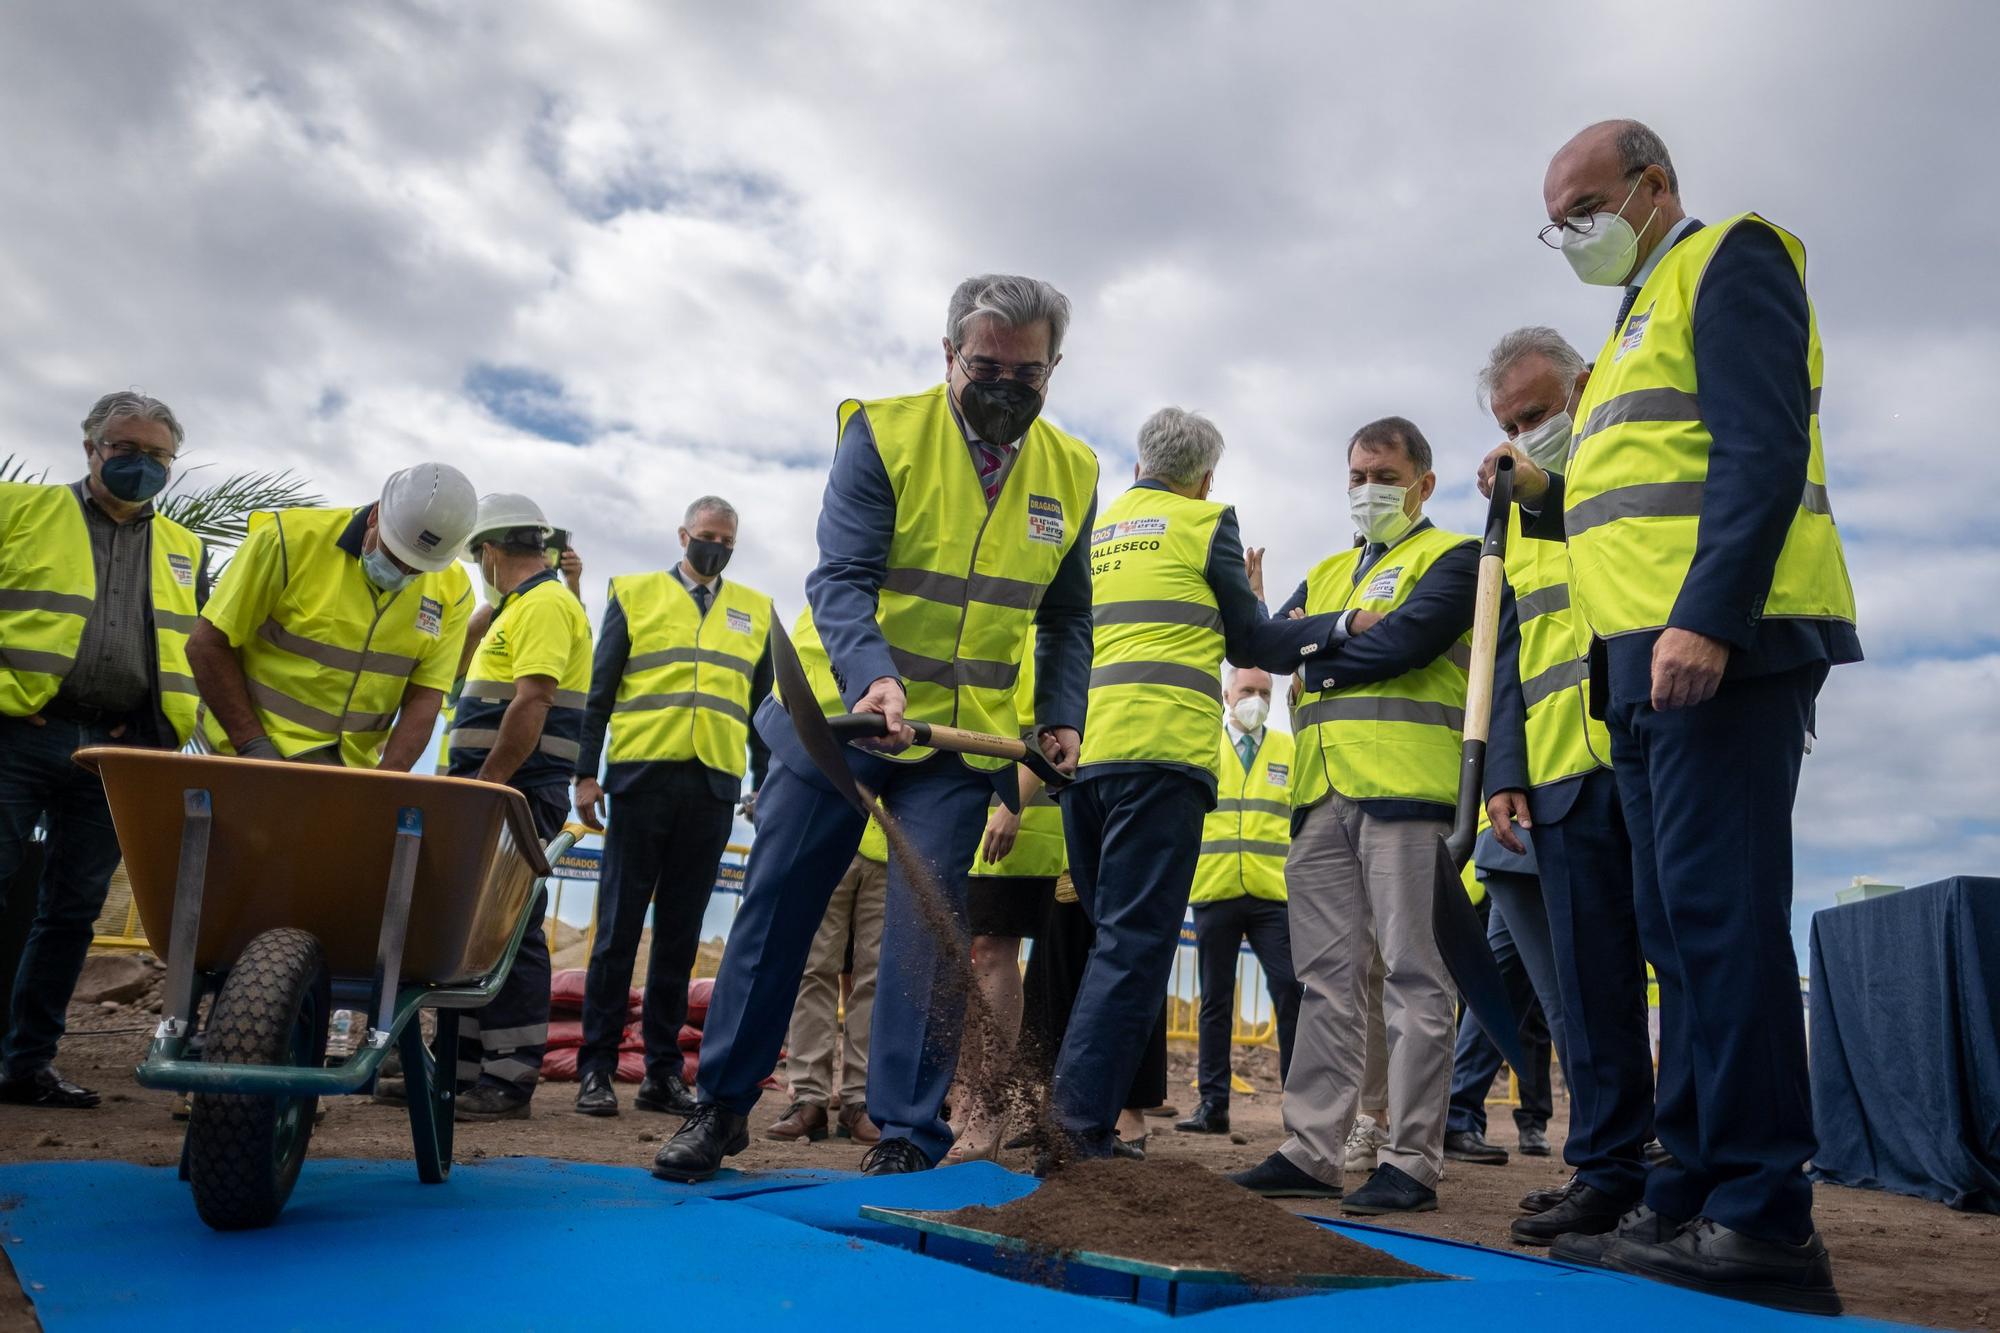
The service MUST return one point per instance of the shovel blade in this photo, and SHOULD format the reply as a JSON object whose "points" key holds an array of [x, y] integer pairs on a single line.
{"points": [[1462, 940], [809, 722]]}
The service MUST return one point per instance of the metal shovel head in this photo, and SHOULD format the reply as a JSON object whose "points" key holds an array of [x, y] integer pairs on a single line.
{"points": [[809, 724], [1462, 940]]}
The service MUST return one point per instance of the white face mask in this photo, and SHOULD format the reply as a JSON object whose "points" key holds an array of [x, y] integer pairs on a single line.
{"points": [[1250, 711], [1607, 252], [1547, 445], [1378, 511]]}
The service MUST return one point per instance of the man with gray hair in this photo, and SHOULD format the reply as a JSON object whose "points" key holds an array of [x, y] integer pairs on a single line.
{"points": [[1171, 599], [682, 661], [950, 527], [97, 596]]}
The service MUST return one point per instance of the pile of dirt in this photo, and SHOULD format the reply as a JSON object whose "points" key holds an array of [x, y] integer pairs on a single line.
{"points": [[1177, 1214]]}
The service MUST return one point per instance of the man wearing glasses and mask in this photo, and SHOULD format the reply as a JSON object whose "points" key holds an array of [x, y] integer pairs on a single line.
{"points": [[97, 595]]}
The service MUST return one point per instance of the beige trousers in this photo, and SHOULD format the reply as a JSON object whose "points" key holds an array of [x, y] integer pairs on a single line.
{"points": [[1361, 886], [856, 910]]}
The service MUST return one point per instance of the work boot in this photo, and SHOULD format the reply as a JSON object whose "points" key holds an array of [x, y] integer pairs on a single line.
{"points": [[1469, 1145], [1364, 1143], [1707, 1256], [1211, 1117], [894, 1157], [695, 1152], [1276, 1177], [801, 1120], [855, 1124], [666, 1093], [1641, 1226], [597, 1096], [1584, 1209], [1533, 1141], [45, 1087], [488, 1101], [1391, 1190]]}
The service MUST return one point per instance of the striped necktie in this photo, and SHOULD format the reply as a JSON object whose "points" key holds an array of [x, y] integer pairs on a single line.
{"points": [[991, 461]]}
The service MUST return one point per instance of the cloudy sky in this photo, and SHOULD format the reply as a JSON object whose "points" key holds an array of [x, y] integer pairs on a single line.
{"points": [[618, 254]]}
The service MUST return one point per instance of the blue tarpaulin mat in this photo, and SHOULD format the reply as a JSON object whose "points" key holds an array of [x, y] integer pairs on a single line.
{"points": [[523, 1243]]}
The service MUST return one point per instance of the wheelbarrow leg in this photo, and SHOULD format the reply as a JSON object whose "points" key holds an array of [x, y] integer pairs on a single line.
{"points": [[179, 998], [430, 1080]]}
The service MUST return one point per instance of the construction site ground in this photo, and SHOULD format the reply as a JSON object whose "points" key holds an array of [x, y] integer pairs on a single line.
{"points": [[1894, 1257]]}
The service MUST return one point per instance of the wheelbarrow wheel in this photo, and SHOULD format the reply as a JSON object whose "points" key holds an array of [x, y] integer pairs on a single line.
{"points": [[244, 1152]]}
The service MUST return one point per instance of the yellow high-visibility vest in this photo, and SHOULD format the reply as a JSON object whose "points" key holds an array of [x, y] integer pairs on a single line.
{"points": [[1038, 851], [48, 587], [328, 658], [875, 843], [1156, 661], [1397, 738], [1632, 496], [964, 578], [1564, 740], [1245, 838], [685, 693], [539, 630]]}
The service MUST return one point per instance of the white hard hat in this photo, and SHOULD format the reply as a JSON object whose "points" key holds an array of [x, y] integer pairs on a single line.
{"points": [[503, 512], [427, 512]]}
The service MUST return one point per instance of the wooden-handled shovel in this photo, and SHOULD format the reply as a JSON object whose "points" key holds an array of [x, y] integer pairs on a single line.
{"points": [[1454, 921]]}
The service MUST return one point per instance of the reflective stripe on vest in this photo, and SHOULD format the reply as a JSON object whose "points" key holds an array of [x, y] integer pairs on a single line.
{"points": [[1396, 738], [963, 577], [1156, 637], [1553, 661], [1038, 851], [685, 691], [490, 685], [332, 662], [1245, 838], [1633, 493], [50, 590]]}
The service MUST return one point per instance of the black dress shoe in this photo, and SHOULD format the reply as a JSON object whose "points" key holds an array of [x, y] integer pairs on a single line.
{"points": [[1276, 1177], [1469, 1145], [894, 1157], [666, 1094], [1391, 1190], [45, 1087], [710, 1134], [597, 1096], [1208, 1118], [1584, 1209], [1533, 1142], [1707, 1256], [1132, 1150], [1641, 1226], [1540, 1201]]}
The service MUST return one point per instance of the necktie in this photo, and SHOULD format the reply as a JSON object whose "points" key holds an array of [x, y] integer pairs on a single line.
{"points": [[701, 596], [1631, 295], [991, 461], [1246, 748], [1369, 555]]}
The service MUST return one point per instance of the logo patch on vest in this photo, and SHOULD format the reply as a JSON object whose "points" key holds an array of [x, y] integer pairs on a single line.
{"points": [[1635, 333], [182, 569], [430, 616], [1045, 519], [1129, 527], [1383, 586], [1278, 775], [739, 621]]}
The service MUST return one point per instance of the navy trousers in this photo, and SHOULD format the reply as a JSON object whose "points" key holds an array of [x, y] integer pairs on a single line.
{"points": [[1477, 1062], [1133, 839], [1607, 1053], [806, 838], [1220, 929], [39, 780], [502, 1042], [1707, 793]]}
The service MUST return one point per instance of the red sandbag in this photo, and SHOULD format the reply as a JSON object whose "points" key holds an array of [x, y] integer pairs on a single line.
{"points": [[690, 1039], [559, 1066], [566, 994], [698, 993], [567, 1033]]}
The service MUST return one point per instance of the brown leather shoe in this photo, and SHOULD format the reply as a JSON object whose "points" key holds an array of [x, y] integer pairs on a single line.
{"points": [[802, 1120], [855, 1124]]}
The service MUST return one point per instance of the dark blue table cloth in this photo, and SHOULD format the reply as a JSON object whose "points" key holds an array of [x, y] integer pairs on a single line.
{"points": [[1906, 1043]]}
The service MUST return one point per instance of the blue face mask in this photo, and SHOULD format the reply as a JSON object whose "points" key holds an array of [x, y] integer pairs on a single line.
{"points": [[383, 571], [133, 478]]}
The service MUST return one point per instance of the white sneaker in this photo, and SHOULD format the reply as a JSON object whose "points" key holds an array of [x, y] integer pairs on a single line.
{"points": [[1364, 1142]]}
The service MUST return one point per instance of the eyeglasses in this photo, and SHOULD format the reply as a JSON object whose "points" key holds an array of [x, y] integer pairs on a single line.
{"points": [[985, 370], [1584, 220], [124, 449]]}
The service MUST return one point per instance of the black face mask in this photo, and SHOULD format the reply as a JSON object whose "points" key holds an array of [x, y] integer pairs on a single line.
{"points": [[1000, 412], [706, 558]]}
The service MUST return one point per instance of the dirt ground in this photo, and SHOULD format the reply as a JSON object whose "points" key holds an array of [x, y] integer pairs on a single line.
{"points": [[1894, 1257]]}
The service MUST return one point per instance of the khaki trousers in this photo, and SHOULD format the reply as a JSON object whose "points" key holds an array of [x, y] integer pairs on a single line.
{"points": [[856, 911], [1361, 886]]}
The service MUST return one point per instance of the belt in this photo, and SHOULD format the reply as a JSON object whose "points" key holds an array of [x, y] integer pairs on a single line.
{"points": [[86, 715]]}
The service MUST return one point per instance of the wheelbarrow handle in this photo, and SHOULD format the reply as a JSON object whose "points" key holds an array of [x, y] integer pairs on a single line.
{"points": [[870, 726]]}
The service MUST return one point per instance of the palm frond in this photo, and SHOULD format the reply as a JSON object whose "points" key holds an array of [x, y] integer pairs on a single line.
{"points": [[15, 468], [221, 513]]}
